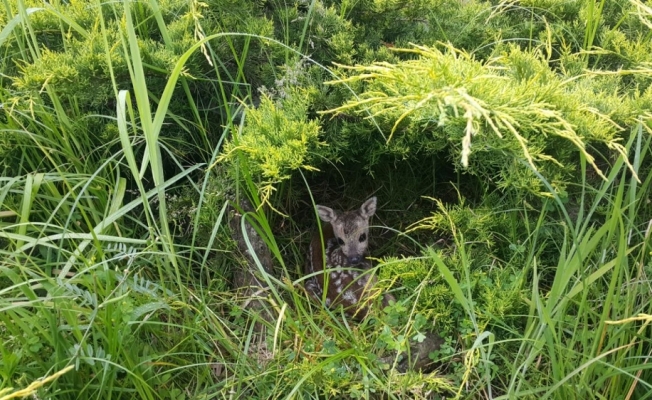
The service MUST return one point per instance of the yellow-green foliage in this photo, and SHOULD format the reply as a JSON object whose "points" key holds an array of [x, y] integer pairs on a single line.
{"points": [[422, 21], [496, 292], [419, 276], [512, 107], [500, 295], [329, 37], [479, 224], [44, 18], [495, 285], [83, 59], [76, 64], [277, 139], [80, 72]]}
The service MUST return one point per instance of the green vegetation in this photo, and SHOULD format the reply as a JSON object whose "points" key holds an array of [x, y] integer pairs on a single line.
{"points": [[508, 144]]}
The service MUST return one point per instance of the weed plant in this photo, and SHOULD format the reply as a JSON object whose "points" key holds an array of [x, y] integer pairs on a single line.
{"points": [[508, 145]]}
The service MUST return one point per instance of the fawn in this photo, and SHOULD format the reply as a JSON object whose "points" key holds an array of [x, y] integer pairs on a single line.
{"points": [[349, 281]]}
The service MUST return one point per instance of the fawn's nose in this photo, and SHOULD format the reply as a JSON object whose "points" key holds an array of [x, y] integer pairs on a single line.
{"points": [[354, 260]]}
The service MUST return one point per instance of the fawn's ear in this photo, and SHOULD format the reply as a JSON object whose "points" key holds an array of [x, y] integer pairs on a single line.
{"points": [[368, 208], [326, 214]]}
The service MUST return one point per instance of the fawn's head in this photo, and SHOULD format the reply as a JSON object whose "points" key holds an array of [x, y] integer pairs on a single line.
{"points": [[351, 229]]}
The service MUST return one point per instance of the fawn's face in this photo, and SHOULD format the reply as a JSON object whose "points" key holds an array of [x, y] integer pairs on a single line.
{"points": [[351, 229]]}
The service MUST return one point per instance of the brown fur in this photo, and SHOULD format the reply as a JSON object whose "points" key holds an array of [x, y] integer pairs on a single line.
{"points": [[348, 278]]}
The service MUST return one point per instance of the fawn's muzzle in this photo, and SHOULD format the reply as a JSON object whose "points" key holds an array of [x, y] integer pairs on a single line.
{"points": [[354, 260]]}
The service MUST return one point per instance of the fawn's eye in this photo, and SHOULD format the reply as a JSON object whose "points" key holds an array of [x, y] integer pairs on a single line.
{"points": [[363, 237], [340, 241]]}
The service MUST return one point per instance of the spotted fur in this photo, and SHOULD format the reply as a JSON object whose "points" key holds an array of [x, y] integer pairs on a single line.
{"points": [[347, 278]]}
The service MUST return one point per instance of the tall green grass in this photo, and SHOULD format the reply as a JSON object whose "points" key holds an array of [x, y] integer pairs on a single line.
{"points": [[600, 277], [91, 276]]}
